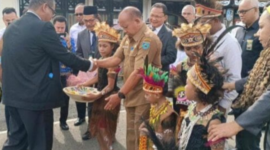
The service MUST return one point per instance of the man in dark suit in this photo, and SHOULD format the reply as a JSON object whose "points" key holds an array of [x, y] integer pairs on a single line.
{"points": [[158, 17], [87, 47], [31, 79]]}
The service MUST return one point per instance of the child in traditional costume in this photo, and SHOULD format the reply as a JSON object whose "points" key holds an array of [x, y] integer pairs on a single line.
{"points": [[204, 87], [191, 40], [103, 123], [162, 119]]}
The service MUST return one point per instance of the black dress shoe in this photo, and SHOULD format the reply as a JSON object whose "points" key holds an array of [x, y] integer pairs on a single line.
{"points": [[79, 122], [86, 136], [64, 126]]}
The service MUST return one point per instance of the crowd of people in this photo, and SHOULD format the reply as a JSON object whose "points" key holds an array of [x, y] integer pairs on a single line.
{"points": [[207, 72]]}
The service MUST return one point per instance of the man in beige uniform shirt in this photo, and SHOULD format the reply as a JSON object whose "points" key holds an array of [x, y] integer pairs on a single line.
{"points": [[139, 42]]}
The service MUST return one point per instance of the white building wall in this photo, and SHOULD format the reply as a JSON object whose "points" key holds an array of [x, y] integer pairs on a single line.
{"points": [[147, 4], [8, 3], [89, 2]]}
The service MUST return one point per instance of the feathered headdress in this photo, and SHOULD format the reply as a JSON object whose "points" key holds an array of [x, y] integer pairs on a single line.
{"points": [[204, 75], [208, 8], [106, 33], [154, 78], [191, 34]]}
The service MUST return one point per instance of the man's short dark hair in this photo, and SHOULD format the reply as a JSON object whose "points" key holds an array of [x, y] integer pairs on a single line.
{"points": [[162, 6], [9, 10], [59, 19], [37, 3]]}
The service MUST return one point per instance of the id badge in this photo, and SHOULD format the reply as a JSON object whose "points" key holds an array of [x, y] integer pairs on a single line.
{"points": [[249, 45]]}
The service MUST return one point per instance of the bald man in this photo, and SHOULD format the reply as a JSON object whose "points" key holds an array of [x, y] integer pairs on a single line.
{"points": [[79, 26], [138, 43], [188, 12], [251, 48]]}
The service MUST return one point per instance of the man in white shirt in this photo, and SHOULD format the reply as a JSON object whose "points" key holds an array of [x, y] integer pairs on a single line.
{"points": [[9, 15], [79, 26], [229, 48]]}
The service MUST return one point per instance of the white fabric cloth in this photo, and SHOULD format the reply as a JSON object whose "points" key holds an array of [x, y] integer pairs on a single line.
{"points": [[181, 56], [2, 31], [75, 30], [231, 51]]}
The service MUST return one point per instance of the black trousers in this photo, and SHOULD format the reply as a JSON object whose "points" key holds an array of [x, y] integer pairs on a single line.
{"points": [[7, 116], [244, 139], [81, 110], [29, 130], [64, 109]]}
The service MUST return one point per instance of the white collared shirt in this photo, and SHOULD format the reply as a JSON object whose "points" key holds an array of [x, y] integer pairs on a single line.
{"points": [[231, 51], [158, 29], [2, 31], [75, 30]]}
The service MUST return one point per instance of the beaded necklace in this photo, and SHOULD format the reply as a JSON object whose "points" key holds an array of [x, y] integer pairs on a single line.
{"points": [[155, 113]]}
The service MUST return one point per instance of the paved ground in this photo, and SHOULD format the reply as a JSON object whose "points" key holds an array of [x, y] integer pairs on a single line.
{"points": [[71, 140]]}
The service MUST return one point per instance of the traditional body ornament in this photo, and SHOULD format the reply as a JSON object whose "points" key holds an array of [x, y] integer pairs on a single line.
{"points": [[189, 35], [103, 123], [162, 119]]}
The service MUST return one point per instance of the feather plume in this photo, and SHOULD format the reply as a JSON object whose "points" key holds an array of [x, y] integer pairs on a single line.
{"points": [[160, 145]]}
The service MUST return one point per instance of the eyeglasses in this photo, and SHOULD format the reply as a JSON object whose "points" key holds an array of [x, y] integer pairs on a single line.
{"points": [[53, 11], [244, 11], [79, 14], [186, 14]]}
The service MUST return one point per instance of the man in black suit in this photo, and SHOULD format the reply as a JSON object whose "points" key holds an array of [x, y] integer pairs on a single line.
{"points": [[31, 79], [158, 17], [87, 47]]}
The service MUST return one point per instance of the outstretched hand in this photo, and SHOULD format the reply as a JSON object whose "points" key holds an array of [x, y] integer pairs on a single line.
{"points": [[92, 97], [224, 130]]}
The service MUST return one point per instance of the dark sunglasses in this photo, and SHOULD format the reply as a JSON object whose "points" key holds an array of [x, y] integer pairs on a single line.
{"points": [[79, 14]]}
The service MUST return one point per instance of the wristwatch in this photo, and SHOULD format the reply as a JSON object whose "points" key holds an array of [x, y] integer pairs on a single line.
{"points": [[121, 95]]}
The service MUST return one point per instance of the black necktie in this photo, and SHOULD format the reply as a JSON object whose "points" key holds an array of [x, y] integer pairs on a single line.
{"points": [[93, 44], [153, 29]]}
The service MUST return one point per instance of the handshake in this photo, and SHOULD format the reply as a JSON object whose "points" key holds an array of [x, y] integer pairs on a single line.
{"points": [[94, 63]]}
